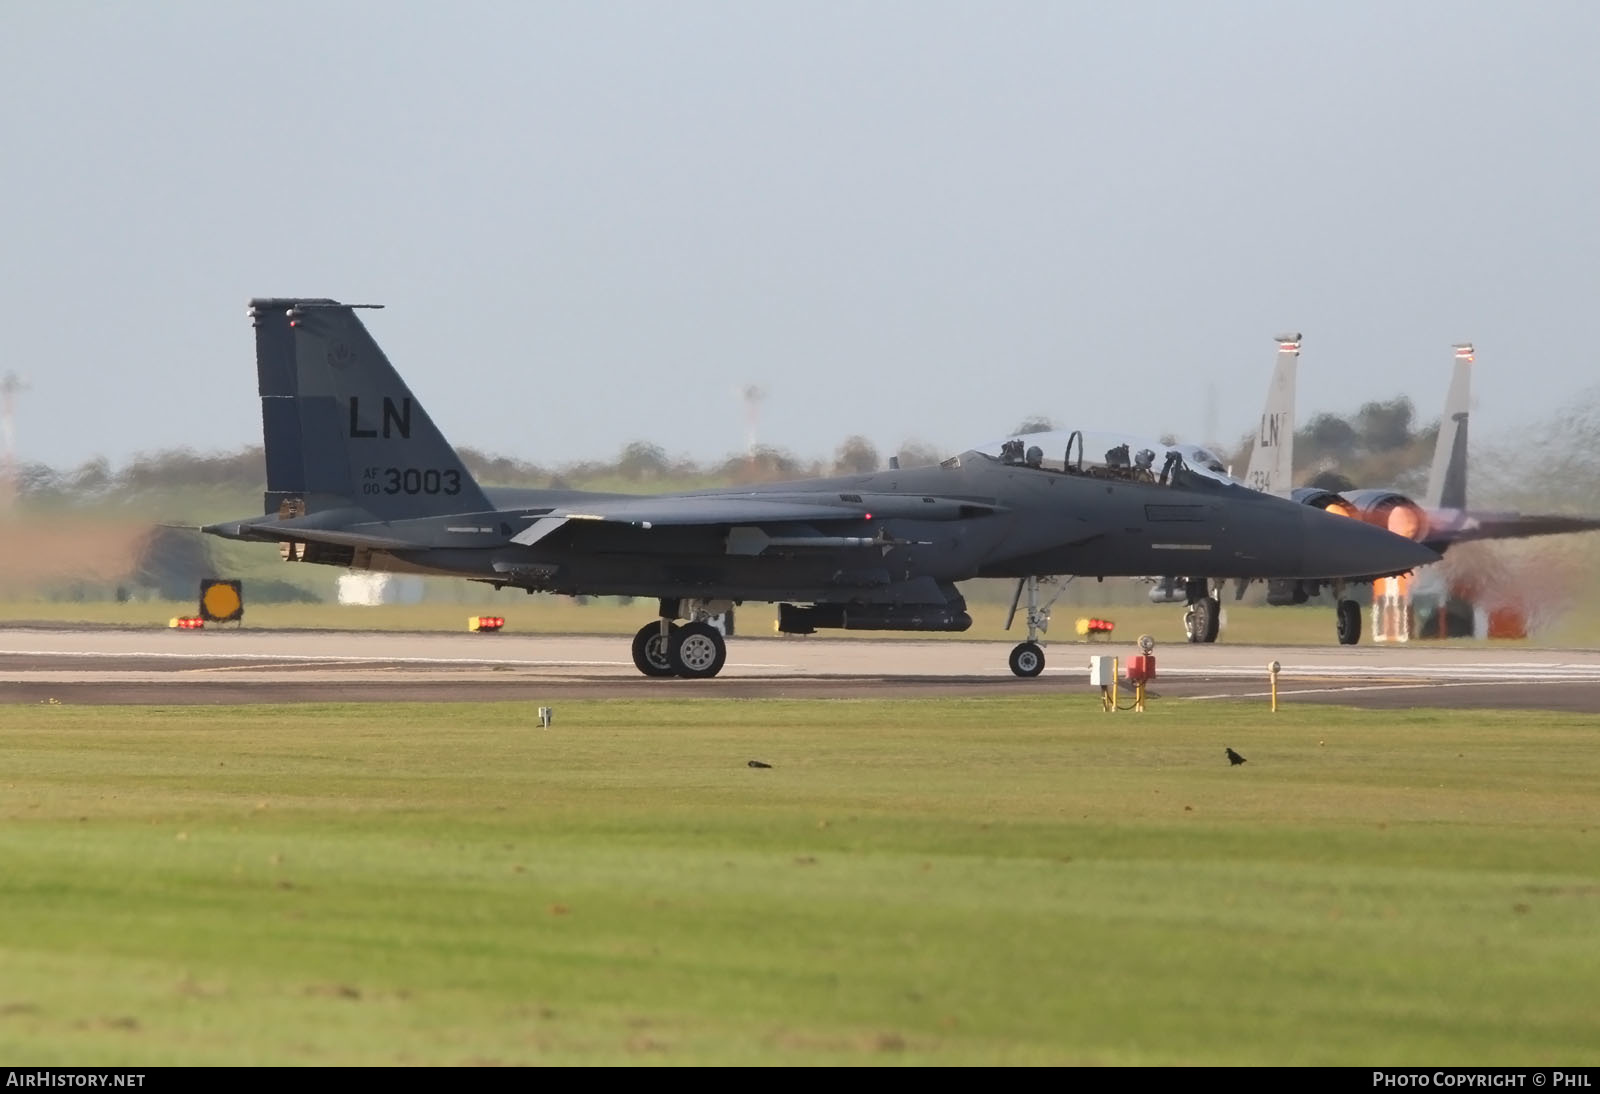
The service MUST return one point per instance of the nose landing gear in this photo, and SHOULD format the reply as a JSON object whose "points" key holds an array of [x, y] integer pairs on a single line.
{"points": [[1027, 656]]}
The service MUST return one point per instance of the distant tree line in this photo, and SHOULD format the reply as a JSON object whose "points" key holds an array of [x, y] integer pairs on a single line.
{"points": [[1381, 444], [640, 464]]}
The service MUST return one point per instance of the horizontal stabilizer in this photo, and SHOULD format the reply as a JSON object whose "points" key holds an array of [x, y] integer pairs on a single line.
{"points": [[1453, 527], [274, 530]]}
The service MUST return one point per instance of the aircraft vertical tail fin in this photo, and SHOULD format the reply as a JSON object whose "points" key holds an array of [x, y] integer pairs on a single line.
{"points": [[1447, 479], [1272, 456], [340, 426]]}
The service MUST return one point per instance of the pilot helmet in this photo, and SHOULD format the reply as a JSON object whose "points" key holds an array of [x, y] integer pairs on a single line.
{"points": [[1035, 456], [1144, 459]]}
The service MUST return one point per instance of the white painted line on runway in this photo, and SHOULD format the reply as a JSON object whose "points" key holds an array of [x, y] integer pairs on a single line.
{"points": [[1285, 693], [294, 658], [319, 663], [1518, 672]]}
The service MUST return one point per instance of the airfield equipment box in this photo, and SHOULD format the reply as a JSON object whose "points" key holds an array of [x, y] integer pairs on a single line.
{"points": [[1101, 671], [1141, 667]]}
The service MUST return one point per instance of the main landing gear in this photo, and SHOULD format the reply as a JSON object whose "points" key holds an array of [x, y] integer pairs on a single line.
{"points": [[1027, 657], [1202, 619], [695, 649]]}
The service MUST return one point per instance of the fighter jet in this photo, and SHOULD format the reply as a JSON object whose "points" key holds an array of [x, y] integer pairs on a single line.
{"points": [[1440, 521], [358, 476]]}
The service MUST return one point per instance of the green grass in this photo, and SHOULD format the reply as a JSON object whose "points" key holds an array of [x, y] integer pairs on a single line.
{"points": [[998, 881]]}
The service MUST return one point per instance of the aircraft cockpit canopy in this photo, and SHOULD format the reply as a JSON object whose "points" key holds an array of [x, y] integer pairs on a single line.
{"points": [[1109, 456]]}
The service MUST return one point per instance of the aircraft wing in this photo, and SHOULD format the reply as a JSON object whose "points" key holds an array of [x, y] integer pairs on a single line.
{"points": [[1465, 527], [715, 510]]}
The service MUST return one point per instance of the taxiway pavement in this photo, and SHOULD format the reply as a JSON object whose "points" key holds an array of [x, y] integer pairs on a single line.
{"points": [[223, 665]]}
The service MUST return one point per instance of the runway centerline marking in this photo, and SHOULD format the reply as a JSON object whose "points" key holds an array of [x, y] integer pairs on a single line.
{"points": [[1282, 692]]}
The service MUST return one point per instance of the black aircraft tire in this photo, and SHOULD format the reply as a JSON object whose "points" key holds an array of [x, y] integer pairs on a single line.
{"points": [[649, 657], [1201, 620], [1027, 659], [1349, 619], [698, 651]]}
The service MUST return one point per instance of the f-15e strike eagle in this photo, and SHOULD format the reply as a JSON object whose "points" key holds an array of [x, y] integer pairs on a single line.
{"points": [[358, 476]]}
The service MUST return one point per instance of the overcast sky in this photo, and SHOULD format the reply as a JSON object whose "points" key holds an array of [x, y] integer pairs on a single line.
{"points": [[596, 222]]}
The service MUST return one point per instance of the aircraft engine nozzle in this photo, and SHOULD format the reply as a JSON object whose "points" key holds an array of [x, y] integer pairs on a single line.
{"points": [[1391, 510], [1408, 521], [1336, 547]]}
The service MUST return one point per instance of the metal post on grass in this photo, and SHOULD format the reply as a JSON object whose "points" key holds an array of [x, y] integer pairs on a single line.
{"points": [[545, 717], [1272, 674]]}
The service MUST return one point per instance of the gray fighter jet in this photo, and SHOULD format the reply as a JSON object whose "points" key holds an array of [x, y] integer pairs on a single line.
{"points": [[358, 476], [1438, 522]]}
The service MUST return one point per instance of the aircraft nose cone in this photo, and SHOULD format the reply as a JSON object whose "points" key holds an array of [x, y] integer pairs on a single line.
{"points": [[1337, 546]]}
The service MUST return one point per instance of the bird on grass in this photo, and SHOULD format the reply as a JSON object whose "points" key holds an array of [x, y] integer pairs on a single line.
{"points": [[1233, 757], [758, 763]]}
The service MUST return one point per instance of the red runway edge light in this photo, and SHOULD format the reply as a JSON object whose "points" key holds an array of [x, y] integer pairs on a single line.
{"points": [[187, 623], [485, 624]]}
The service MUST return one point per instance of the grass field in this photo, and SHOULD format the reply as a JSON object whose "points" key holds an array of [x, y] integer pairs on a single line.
{"points": [[997, 881]]}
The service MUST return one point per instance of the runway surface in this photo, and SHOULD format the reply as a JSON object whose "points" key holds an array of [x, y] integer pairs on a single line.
{"points": [[223, 665]]}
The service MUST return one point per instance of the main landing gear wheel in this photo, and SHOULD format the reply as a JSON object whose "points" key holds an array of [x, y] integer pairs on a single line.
{"points": [[651, 652], [1202, 620], [1349, 615], [1027, 659], [697, 650]]}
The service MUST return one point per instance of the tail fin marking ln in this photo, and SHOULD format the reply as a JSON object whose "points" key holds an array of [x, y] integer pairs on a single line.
{"points": [[340, 426], [1272, 456]]}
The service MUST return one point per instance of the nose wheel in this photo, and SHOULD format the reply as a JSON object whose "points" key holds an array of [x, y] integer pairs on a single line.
{"points": [[1349, 620], [1027, 659]]}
